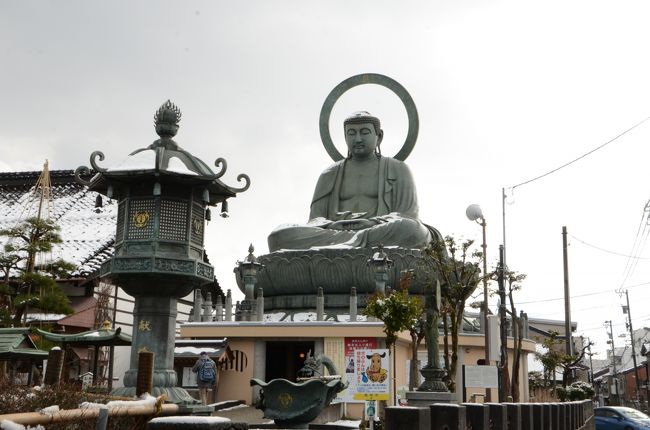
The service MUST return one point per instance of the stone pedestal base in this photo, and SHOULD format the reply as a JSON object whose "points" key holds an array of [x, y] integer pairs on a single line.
{"points": [[426, 398], [433, 380]]}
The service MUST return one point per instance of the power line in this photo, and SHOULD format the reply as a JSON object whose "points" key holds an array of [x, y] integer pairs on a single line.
{"points": [[638, 245], [600, 327], [590, 308], [581, 295], [620, 254], [562, 298], [582, 156]]}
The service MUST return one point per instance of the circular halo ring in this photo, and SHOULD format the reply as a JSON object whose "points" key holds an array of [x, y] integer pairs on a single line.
{"points": [[369, 78]]}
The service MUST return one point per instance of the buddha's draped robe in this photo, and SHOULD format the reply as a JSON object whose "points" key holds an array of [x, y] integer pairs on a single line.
{"points": [[395, 215]]}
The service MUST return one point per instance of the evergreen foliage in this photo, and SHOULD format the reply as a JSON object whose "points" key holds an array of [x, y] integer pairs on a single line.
{"points": [[35, 284], [398, 310]]}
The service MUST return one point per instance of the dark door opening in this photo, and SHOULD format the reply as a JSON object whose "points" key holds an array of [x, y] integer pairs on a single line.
{"points": [[284, 359]]}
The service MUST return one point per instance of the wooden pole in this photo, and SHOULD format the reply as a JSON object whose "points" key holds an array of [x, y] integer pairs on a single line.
{"points": [[144, 383], [54, 367], [35, 418], [111, 353], [95, 358]]}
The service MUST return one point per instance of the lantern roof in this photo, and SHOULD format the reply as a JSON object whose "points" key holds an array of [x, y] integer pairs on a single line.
{"points": [[165, 160]]}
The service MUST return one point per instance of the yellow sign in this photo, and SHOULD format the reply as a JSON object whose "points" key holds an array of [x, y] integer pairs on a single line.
{"points": [[373, 382], [367, 396], [141, 219]]}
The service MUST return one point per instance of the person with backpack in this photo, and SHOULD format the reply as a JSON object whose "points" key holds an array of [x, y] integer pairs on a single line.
{"points": [[206, 375]]}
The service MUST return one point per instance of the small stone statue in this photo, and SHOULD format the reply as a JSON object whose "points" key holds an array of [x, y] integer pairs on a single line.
{"points": [[360, 201]]}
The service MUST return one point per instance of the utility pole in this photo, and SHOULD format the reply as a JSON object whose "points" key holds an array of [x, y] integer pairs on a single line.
{"points": [[504, 334], [567, 299], [626, 310], [591, 363], [611, 341]]}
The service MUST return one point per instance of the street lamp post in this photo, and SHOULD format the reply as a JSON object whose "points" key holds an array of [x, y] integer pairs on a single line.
{"points": [[474, 213]]}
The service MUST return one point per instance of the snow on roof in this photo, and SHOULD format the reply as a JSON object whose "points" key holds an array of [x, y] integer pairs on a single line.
{"points": [[191, 350], [88, 232], [176, 165], [44, 317], [143, 160]]}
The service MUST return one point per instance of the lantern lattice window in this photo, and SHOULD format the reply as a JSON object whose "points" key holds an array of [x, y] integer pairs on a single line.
{"points": [[173, 220]]}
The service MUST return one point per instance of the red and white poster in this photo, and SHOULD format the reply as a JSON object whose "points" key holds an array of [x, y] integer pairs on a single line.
{"points": [[351, 345]]}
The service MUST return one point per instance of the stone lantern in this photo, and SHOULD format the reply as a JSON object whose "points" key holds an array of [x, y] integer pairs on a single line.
{"points": [[380, 263], [247, 271], [163, 194]]}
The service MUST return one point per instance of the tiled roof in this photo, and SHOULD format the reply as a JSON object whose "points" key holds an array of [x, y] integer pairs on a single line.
{"points": [[88, 232], [15, 344], [11, 338], [84, 313]]}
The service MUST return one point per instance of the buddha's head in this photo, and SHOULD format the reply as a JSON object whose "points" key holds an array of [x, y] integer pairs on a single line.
{"points": [[363, 135]]}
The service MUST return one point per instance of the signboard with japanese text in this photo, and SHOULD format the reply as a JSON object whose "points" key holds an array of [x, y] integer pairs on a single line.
{"points": [[350, 345], [481, 376], [372, 375]]}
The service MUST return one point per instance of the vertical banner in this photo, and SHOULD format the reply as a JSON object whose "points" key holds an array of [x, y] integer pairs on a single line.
{"points": [[350, 345], [372, 374], [334, 348]]}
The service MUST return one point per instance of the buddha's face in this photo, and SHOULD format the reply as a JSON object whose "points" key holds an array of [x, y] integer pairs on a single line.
{"points": [[362, 139]]}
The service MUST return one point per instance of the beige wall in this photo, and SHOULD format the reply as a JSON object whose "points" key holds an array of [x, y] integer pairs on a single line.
{"points": [[236, 385], [281, 330]]}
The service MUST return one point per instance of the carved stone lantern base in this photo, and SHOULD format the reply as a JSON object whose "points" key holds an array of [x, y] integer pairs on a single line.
{"points": [[433, 380], [432, 390]]}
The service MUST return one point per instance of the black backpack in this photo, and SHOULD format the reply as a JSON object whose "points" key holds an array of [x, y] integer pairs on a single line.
{"points": [[207, 371]]}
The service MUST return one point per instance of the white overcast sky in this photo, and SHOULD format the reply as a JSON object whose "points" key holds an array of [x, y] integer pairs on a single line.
{"points": [[506, 91]]}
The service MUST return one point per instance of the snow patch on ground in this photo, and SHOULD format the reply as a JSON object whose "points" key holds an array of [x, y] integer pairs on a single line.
{"points": [[50, 410], [190, 420], [232, 408], [10, 425], [347, 423], [145, 400]]}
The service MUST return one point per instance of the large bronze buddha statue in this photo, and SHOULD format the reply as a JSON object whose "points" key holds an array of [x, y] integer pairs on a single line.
{"points": [[361, 201]]}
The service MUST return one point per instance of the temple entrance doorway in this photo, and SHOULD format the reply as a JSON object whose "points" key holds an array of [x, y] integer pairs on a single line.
{"points": [[284, 359]]}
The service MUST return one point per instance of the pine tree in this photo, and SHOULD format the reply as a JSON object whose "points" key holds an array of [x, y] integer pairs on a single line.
{"points": [[34, 284]]}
